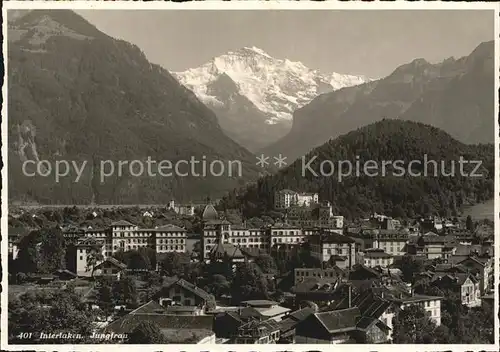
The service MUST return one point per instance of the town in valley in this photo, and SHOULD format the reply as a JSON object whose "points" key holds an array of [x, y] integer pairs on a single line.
{"points": [[253, 249], [192, 273]]}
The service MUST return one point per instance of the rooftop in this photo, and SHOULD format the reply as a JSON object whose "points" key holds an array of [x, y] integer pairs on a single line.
{"points": [[209, 213], [169, 228], [339, 320], [185, 336], [259, 303], [122, 223]]}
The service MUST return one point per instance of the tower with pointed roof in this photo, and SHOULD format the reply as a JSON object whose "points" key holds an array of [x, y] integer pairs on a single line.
{"points": [[209, 213]]}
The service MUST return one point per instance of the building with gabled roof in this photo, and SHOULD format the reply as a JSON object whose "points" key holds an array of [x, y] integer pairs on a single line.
{"points": [[289, 323], [176, 328], [258, 332], [109, 268], [478, 264], [331, 327], [184, 293], [466, 285]]}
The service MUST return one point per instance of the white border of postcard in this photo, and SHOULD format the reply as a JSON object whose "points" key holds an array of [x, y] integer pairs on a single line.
{"points": [[243, 5]]}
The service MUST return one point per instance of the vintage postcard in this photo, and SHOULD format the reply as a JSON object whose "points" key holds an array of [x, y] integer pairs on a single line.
{"points": [[235, 173]]}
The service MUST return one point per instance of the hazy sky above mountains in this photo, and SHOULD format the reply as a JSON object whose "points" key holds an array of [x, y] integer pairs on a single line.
{"points": [[371, 43]]}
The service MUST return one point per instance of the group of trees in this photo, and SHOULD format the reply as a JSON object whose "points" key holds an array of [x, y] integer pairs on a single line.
{"points": [[112, 293], [358, 195], [241, 281], [459, 324], [101, 217], [40, 251], [58, 311], [143, 258]]}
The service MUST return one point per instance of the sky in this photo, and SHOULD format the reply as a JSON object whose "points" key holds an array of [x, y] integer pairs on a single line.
{"points": [[360, 42]]}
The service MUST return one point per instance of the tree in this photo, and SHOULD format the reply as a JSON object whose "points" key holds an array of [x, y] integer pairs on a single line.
{"points": [[469, 224], [52, 250], [413, 325], [409, 267], [219, 285], [248, 283], [138, 260], [266, 263], [60, 311], [125, 291], [173, 264], [105, 298], [94, 257], [399, 212], [146, 333], [20, 278]]}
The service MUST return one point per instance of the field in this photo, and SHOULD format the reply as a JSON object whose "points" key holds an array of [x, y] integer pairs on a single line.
{"points": [[481, 211]]}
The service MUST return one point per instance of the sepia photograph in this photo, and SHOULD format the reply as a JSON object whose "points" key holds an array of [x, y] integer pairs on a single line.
{"points": [[250, 174]]}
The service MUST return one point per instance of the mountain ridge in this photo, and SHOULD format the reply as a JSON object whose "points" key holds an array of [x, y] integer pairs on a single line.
{"points": [[84, 96], [358, 195], [450, 95]]}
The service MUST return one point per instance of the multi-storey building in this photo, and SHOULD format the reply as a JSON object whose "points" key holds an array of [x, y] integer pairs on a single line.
{"points": [[376, 257], [433, 246], [330, 275], [391, 242], [431, 304], [286, 198], [284, 234], [215, 231], [328, 244], [182, 209], [464, 284], [169, 238], [124, 236], [84, 255], [481, 265], [315, 215], [307, 199], [277, 237]]}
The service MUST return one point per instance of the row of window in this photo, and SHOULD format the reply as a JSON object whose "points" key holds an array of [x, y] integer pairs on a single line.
{"points": [[338, 251], [287, 240], [170, 241], [150, 234], [316, 274], [170, 248], [379, 261], [137, 240], [261, 246], [96, 234], [171, 234]]}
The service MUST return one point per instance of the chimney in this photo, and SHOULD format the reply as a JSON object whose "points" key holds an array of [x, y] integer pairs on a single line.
{"points": [[350, 256], [350, 296]]}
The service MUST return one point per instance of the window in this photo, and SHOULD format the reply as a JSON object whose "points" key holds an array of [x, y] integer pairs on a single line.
{"points": [[81, 257]]}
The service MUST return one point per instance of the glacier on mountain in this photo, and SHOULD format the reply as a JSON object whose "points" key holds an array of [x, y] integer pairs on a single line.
{"points": [[276, 87]]}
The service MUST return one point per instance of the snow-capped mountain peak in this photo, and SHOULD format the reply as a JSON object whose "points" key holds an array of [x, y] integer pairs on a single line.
{"points": [[277, 87]]}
